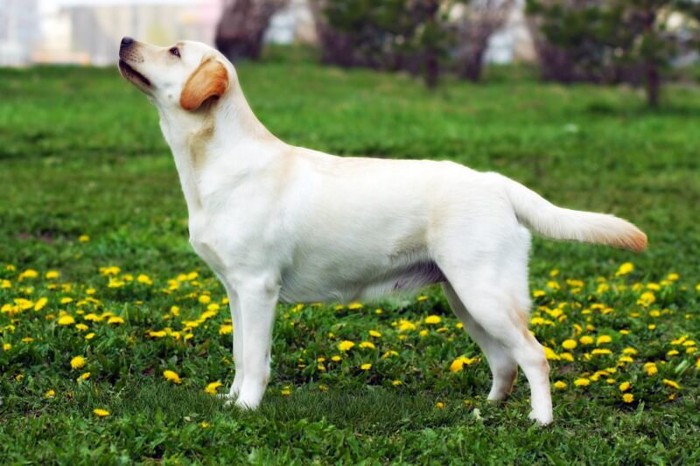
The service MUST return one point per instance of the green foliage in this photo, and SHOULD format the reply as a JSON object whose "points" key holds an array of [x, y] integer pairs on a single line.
{"points": [[82, 154], [609, 41], [392, 35]]}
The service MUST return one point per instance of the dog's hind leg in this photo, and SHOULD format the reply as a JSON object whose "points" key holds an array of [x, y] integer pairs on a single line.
{"points": [[257, 315], [491, 304], [504, 369], [490, 280]]}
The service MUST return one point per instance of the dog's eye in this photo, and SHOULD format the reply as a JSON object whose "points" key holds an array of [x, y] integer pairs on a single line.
{"points": [[175, 51]]}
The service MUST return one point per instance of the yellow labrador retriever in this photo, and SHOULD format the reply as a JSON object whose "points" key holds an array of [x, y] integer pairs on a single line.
{"points": [[277, 222]]}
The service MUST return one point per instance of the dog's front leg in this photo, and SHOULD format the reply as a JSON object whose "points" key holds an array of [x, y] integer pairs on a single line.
{"points": [[235, 308], [257, 300]]}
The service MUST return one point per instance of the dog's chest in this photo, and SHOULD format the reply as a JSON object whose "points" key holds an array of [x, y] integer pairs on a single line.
{"points": [[205, 243]]}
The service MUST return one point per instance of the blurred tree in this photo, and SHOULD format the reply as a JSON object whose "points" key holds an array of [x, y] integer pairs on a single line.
{"points": [[390, 35], [606, 40], [475, 28], [240, 31]]}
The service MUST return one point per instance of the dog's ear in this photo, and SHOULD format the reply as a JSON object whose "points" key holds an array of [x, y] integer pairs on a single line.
{"points": [[209, 80]]}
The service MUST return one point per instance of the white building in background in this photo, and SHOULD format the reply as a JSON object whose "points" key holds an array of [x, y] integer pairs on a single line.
{"points": [[89, 31], [19, 31]]}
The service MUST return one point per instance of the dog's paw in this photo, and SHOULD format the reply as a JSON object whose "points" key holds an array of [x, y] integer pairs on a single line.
{"points": [[540, 419]]}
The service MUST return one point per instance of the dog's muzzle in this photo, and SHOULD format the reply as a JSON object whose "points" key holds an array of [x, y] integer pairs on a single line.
{"points": [[129, 55]]}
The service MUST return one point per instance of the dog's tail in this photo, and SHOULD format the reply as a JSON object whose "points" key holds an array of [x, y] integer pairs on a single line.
{"points": [[543, 217]]}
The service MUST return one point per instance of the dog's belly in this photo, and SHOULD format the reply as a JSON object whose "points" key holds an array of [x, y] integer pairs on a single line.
{"points": [[305, 285]]}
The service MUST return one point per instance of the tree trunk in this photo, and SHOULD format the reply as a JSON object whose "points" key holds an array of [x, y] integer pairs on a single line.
{"points": [[241, 29], [651, 65], [653, 83]]}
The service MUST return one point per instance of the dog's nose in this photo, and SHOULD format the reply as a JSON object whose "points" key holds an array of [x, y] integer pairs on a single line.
{"points": [[126, 42]]}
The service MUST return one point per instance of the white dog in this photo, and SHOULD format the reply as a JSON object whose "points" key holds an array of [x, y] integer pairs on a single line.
{"points": [[277, 222]]}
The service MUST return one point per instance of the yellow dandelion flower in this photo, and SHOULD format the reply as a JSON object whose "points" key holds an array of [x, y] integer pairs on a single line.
{"points": [[225, 329], [157, 333], [628, 398], [66, 320], [84, 376], [569, 344], [367, 344], [50, 394], [586, 340], [366, 366], [625, 269], [29, 273], [560, 385], [99, 412], [212, 387], [286, 391], [204, 299], [375, 334], [389, 354], [672, 277], [345, 345], [336, 358], [405, 325], [145, 279], [671, 383], [566, 357], [538, 293], [440, 405], [603, 339], [650, 368], [646, 299], [6, 346], [77, 362], [115, 320], [672, 352], [550, 354], [624, 386], [423, 333], [90, 336], [204, 425], [213, 307], [630, 351], [396, 383], [582, 382], [432, 320], [52, 274], [354, 306], [171, 376], [458, 364]]}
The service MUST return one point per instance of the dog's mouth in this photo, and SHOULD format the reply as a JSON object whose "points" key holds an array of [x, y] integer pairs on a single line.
{"points": [[132, 75]]}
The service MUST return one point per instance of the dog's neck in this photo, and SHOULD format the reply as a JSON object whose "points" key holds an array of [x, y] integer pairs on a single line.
{"points": [[226, 122]]}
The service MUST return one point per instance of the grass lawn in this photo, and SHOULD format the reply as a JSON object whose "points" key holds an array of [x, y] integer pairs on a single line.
{"points": [[101, 293]]}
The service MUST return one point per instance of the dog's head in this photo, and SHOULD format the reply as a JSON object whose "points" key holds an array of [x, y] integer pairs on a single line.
{"points": [[187, 76]]}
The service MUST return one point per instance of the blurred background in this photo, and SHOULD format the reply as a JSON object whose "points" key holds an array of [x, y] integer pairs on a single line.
{"points": [[601, 41]]}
